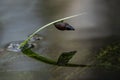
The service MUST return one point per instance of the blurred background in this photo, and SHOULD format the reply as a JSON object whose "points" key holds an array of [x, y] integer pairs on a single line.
{"points": [[97, 27]]}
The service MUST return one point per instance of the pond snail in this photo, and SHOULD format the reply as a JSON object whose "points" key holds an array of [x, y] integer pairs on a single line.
{"points": [[63, 26]]}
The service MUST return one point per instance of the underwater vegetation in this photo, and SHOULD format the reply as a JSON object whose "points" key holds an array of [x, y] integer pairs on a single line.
{"points": [[109, 57]]}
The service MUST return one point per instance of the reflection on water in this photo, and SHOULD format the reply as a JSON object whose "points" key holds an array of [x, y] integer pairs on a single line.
{"points": [[17, 19], [21, 17]]}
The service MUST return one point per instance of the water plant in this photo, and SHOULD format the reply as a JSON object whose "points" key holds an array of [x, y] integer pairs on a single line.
{"points": [[64, 57], [47, 25], [103, 59]]}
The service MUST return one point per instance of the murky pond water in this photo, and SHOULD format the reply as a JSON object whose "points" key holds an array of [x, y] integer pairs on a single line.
{"points": [[19, 18]]}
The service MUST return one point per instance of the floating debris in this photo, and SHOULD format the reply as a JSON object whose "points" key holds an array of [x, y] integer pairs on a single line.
{"points": [[36, 37], [14, 45]]}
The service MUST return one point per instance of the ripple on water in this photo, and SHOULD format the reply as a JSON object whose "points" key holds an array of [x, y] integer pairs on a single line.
{"points": [[14, 45]]}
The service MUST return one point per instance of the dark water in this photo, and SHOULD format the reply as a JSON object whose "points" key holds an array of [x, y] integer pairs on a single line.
{"points": [[98, 27]]}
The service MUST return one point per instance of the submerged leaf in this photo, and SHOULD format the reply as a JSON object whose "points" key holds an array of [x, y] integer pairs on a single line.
{"points": [[65, 57], [36, 56]]}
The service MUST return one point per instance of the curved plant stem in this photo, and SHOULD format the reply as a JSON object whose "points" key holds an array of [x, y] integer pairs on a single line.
{"points": [[34, 55], [25, 42]]}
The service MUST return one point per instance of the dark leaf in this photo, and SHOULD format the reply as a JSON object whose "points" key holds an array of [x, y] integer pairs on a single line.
{"points": [[65, 57]]}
